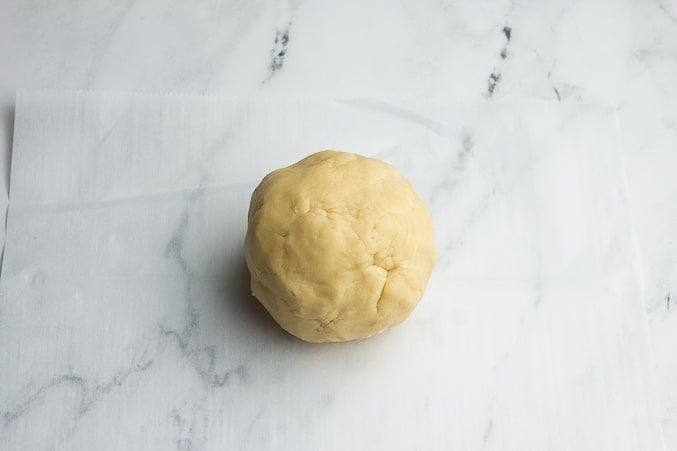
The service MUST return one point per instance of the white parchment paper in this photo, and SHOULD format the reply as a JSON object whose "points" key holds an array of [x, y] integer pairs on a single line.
{"points": [[126, 317]]}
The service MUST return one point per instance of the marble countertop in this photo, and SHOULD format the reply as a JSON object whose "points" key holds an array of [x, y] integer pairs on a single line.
{"points": [[609, 56]]}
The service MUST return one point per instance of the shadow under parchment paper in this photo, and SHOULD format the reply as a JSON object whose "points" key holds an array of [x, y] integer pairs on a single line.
{"points": [[8, 125]]}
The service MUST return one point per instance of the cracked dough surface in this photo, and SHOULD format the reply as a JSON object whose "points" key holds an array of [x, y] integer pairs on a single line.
{"points": [[339, 246]]}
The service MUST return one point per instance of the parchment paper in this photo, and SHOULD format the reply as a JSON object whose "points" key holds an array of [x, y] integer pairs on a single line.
{"points": [[126, 317]]}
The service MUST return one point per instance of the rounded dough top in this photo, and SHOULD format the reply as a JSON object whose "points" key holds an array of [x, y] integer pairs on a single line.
{"points": [[339, 246]]}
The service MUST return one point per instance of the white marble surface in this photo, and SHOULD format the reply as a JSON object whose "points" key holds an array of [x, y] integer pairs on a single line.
{"points": [[617, 54]]}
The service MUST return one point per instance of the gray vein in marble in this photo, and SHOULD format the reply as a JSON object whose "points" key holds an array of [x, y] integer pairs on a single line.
{"points": [[661, 5], [187, 440], [279, 50], [89, 394], [7, 120], [174, 248], [474, 216], [489, 429], [495, 76], [203, 358], [487, 432], [193, 426], [563, 90], [507, 32], [183, 443], [494, 79], [458, 166], [280, 45], [667, 301], [559, 97]]}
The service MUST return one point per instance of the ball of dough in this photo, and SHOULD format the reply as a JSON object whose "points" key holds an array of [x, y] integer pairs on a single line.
{"points": [[339, 246]]}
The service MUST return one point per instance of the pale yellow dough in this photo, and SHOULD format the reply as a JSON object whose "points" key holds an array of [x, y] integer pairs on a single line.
{"points": [[339, 246]]}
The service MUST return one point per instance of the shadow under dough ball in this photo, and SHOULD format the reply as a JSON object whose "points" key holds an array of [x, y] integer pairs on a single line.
{"points": [[339, 246]]}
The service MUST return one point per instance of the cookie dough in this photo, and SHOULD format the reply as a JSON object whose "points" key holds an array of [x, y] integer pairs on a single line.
{"points": [[339, 246]]}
